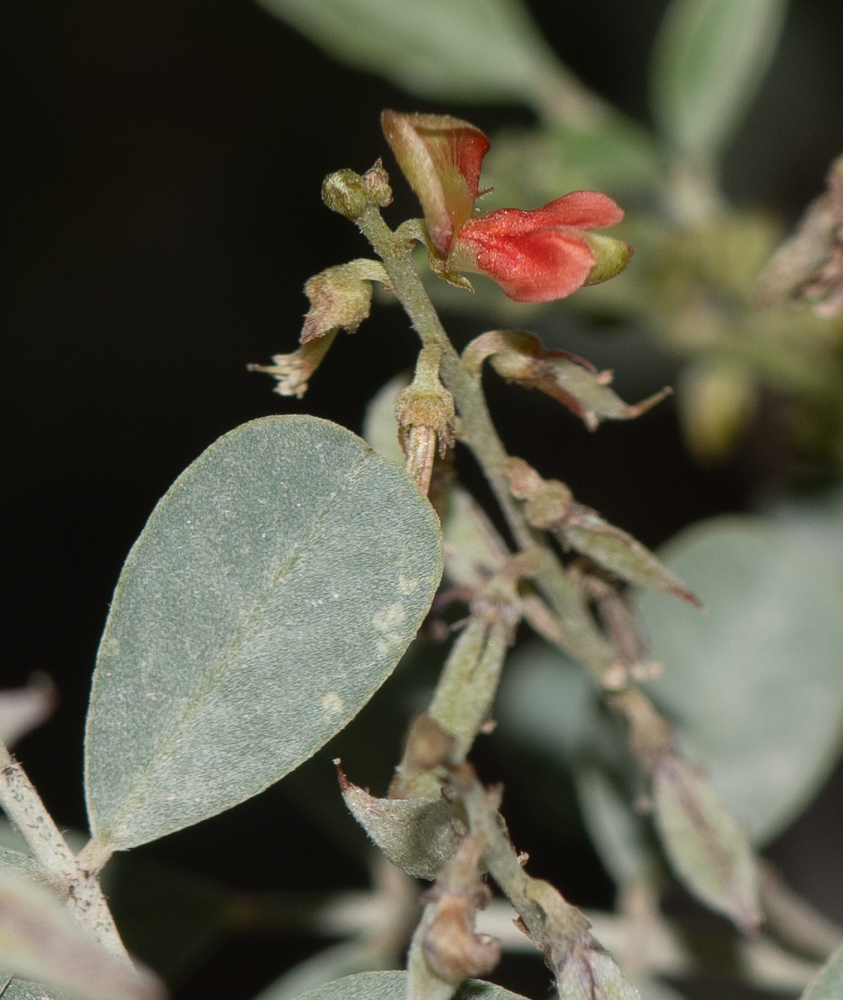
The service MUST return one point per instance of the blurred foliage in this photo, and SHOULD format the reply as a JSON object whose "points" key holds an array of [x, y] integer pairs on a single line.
{"points": [[693, 284]]}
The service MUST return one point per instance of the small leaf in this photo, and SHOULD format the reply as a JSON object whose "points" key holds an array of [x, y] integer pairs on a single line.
{"points": [[617, 832], [475, 50], [418, 835], [393, 986], [753, 686], [828, 983], [708, 62], [39, 940], [474, 551], [591, 974], [621, 554], [380, 425], [547, 702], [521, 357], [271, 593], [704, 844], [590, 397]]}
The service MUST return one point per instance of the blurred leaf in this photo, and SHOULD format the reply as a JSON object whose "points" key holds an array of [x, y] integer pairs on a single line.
{"points": [[24, 709], [591, 974], [474, 551], [547, 702], [393, 986], [815, 523], [271, 593], [474, 50], [754, 686], [344, 959], [532, 167], [418, 835], [618, 833], [704, 844], [40, 940], [380, 425], [708, 61], [717, 399], [656, 989], [828, 984]]}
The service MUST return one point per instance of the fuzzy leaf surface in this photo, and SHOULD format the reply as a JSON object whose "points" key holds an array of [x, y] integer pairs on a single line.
{"points": [[754, 685], [419, 835], [706, 847], [393, 986], [273, 590]]}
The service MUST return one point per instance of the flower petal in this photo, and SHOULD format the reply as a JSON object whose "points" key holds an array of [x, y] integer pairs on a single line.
{"points": [[440, 156], [533, 266], [582, 209]]}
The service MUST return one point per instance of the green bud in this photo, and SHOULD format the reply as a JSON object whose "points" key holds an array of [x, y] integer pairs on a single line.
{"points": [[611, 256], [345, 192]]}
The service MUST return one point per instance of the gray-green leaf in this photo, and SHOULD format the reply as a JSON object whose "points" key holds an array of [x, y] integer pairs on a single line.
{"points": [[828, 984], [274, 588], [705, 845], [754, 686], [393, 986], [418, 835], [708, 61], [474, 50]]}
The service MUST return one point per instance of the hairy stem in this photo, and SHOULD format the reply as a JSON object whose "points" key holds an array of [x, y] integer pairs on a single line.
{"points": [[23, 805], [583, 639]]}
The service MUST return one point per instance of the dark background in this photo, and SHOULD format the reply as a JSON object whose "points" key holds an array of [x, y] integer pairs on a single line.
{"points": [[161, 213]]}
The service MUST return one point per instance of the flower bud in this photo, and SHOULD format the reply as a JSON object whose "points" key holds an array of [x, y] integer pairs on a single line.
{"points": [[345, 192], [425, 412], [611, 256], [377, 186]]}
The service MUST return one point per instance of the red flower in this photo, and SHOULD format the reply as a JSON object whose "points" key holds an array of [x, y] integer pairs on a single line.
{"points": [[547, 253], [534, 256], [440, 156]]}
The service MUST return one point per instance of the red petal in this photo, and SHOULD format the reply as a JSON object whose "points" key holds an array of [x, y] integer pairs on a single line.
{"points": [[440, 157], [582, 209], [535, 266]]}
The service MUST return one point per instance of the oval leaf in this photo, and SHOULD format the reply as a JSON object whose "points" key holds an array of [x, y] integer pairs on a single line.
{"points": [[273, 590], [708, 61], [753, 686], [393, 986]]}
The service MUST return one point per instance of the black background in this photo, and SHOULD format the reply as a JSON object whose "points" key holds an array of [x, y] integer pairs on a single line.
{"points": [[161, 213]]}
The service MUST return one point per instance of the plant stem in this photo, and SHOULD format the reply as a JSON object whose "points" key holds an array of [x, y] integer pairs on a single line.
{"points": [[23, 805], [479, 432], [583, 639]]}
